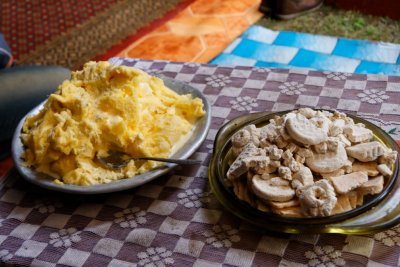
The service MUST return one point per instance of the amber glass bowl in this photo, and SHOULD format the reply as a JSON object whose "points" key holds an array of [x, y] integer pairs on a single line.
{"points": [[377, 213]]}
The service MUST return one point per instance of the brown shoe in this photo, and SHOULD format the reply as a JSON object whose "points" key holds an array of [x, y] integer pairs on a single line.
{"points": [[289, 9]]}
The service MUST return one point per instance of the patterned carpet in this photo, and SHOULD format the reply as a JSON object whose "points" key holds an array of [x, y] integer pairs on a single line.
{"points": [[69, 32]]}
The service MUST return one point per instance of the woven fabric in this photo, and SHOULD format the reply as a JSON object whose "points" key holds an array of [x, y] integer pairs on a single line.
{"points": [[30, 24], [69, 32], [175, 220], [261, 47]]}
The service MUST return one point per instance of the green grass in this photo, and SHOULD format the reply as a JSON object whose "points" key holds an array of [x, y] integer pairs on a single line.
{"points": [[341, 23]]}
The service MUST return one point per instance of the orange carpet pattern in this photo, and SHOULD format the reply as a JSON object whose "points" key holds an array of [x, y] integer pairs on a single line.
{"points": [[198, 33]]}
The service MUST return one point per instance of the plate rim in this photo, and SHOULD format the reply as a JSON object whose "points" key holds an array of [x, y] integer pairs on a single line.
{"points": [[296, 227], [123, 184]]}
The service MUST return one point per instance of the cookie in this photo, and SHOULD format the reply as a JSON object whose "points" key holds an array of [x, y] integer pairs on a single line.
{"points": [[304, 131], [274, 189], [347, 182], [327, 162], [318, 199], [366, 151]]}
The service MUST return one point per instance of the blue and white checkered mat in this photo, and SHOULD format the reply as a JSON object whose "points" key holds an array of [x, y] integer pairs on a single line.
{"points": [[259, 46]]}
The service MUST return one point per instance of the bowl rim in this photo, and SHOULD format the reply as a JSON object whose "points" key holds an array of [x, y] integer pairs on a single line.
{"points": [[373, 200]]}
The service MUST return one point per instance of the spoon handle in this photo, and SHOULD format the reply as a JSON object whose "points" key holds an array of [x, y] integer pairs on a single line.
{"points": [[177, 161]]}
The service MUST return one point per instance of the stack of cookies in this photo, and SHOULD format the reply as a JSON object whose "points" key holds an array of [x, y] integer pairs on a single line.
{"points": [[308, 163]]}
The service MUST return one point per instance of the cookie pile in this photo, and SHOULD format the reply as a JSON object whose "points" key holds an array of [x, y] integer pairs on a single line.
{"points": [[308, 163]]}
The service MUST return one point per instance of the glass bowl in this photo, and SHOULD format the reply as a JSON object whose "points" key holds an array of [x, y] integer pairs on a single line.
{"points": [[377, 213]]}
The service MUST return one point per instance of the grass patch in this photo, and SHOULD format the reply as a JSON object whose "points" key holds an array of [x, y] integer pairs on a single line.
{"points": [[341, 23]]}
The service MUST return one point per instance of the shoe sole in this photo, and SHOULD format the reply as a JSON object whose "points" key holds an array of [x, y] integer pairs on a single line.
{"points": [[294, 15]]}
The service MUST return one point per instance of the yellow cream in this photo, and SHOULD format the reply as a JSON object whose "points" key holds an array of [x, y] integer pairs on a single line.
{"points": [[101, 108]]}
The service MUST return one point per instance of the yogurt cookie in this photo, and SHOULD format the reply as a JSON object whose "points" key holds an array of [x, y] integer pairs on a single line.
{"points": [[308, 163], [304, 131]]}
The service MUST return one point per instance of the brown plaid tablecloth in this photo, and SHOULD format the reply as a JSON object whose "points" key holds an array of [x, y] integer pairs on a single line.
{"points": [[175, 220]]}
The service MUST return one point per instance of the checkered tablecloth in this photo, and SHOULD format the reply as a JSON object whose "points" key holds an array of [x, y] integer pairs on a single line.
{"points": [[175, 220]]}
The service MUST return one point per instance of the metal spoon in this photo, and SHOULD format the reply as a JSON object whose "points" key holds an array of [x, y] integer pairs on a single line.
{"points": [[118, 160]]}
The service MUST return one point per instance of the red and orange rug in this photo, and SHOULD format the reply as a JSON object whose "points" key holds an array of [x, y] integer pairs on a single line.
{"points": [[69, 33]]}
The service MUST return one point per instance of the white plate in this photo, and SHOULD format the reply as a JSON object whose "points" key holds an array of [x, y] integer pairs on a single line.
{"points": [[193, 143]]}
